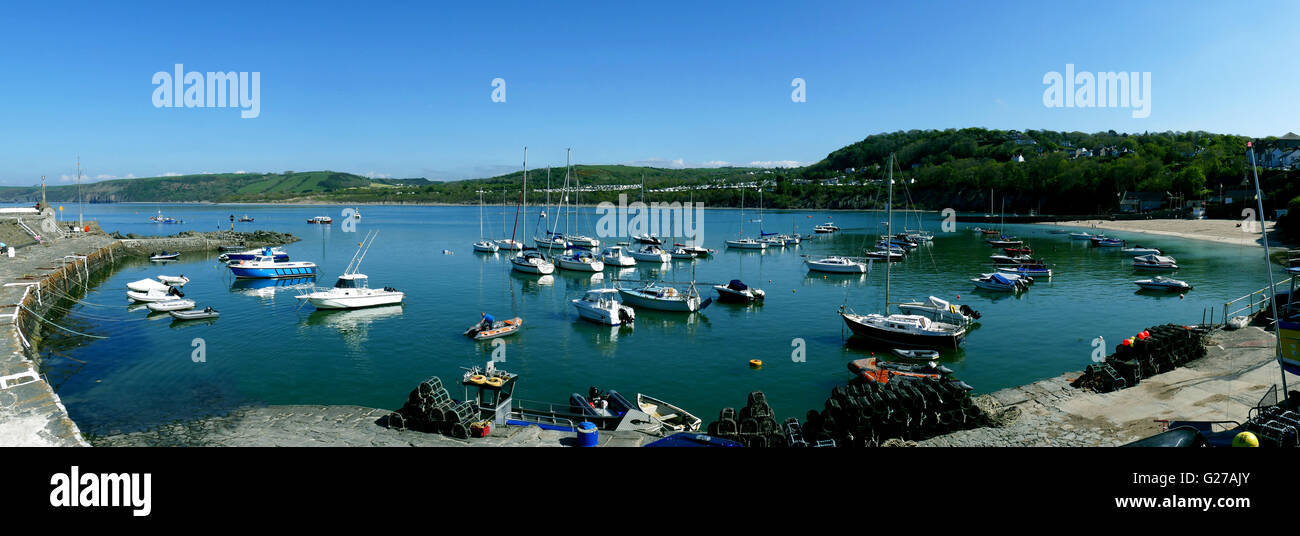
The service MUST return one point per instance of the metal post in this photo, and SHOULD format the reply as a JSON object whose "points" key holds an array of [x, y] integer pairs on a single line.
{"points": [[1272, 289]]}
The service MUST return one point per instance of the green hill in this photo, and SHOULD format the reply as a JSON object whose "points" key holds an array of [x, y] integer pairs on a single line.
{"points": [[215, 187]]}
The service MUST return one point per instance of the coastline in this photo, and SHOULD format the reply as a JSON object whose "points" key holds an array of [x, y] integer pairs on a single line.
{"points": [[1221, 231]]}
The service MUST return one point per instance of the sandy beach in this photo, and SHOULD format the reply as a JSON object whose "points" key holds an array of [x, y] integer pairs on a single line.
{"points": [[1222, 231]]}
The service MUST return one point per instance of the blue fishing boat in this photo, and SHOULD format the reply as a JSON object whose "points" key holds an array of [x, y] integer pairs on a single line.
{"points": [[264, 266]]}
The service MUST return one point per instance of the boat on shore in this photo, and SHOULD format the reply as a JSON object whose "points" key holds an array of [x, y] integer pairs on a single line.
{"points": [[673, 417]]}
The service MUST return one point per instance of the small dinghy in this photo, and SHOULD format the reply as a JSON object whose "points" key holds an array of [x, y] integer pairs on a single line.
{"points": [[927, 355], [164, 256], [156, 295], [171, 305], [207, 312], [672, 417], [175, 281], [873, 369], [493, 329], [146, 285]]}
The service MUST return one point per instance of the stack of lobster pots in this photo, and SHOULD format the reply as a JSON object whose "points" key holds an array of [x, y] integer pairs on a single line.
{"points": [[430, 409], [754, 426], [867, 413], [1152, 351]]}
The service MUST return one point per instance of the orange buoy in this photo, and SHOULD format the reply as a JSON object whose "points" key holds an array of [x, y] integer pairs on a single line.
{"points": [[755, 363]]}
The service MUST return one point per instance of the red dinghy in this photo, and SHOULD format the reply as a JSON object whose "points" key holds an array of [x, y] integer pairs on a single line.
{"points": [[1013, 251]]}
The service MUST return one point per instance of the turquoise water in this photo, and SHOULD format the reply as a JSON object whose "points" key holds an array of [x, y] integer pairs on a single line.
{"points": [[265, 349]]}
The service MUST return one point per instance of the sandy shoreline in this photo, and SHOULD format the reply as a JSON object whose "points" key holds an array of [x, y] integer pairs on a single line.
{"points": [[1221, 231]]}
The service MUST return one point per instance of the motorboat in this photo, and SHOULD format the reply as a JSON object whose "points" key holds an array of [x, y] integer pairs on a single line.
{"points": [[495, 329], [746, 243], [615, 256], [173, 280], [165, 256], [648, 239], [681, 254], [171, 305], [925, 355], [1162, 283], [840, 265], [884, 255], [277, 254], [1139, 250], [352, 291], [147, 284], [912, 331], [1016, 260], [651, 253], [601, 306], [773, 241], [830, 227], [155, 295], [1005, 242], [886, 246], [1080, 236], [664, 298], [999, 282], [1027, 270], [206, 312], [531, 261], [736, 291], [245, 218], [321, 220], [700, 251], [1154, 262], [264, 266], [940, 310], [1106, 242], [580, 260], [673, 417]]}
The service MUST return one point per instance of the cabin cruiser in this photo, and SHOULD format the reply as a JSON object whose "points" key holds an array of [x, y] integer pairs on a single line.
{"points": [[651, 253], [264, 266], [940, 310], [1154, 262], [601, 306], [736, 291], [615, 256]]}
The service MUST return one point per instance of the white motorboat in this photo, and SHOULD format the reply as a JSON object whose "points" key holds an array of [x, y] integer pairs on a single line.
{"points": [[601, 306], [746, 243], [531, 261], [1030, 270], [155, 295], [884, 255], [1155, 262], [171, 305], [672, 417], [736, 291], [773, 241], [1139, 250], [615, 256], [941, 311], [697, 250], [664, 298], [1080, 236], [828, 227], [840, 265], [174, 280], [648, 239], [146, 285], [580, 260], [651, 253], [1162, 283], [352, 290]]}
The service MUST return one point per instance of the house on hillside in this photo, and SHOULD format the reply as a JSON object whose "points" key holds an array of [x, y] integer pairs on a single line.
{"points": [[1134, 202]]}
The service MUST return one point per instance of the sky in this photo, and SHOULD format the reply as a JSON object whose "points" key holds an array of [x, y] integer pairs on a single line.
{"points": [[406, 89]]}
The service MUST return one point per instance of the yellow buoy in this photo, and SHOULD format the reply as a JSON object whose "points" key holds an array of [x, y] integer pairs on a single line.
{"points": [[755, 363], [477, 379], [495, 381], [1245, 439]]}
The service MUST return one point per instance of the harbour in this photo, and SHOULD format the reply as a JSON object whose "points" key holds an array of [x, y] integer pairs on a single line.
{"points": [[311, 379]]}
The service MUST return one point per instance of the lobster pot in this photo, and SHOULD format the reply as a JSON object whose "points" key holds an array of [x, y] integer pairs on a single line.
{"points": [[587, 434]]}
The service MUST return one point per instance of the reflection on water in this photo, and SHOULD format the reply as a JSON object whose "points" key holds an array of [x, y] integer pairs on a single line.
{"points": [[353, 325], [267, 288]]}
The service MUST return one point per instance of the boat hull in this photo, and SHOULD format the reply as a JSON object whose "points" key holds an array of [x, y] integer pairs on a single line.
{"points": [[837, 268], [273, 272], [905, 340], [677, 304], [322, 300]]}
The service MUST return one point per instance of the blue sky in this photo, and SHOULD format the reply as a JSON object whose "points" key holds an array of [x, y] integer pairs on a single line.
{"points": [[404, 90]]}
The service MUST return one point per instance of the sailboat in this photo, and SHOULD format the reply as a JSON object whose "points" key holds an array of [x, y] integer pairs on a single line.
{"points": [[901, 330], [508, 244], [741, 242], [483, 245], [528, 260], [646, 238]]}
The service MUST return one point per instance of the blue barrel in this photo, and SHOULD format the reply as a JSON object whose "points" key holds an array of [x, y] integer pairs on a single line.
{"points": [[587, 434]]}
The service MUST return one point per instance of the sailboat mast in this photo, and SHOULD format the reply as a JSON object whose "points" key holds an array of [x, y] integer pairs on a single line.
{"points": [[1277, 320], [523, 196], [889, 231]]}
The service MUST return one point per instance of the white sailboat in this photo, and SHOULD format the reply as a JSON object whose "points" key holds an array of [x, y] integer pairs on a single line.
{"points": [[528, 260], [483, 245], [741, 242]]}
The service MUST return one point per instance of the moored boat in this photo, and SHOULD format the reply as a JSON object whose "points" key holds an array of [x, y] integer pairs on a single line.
{"points": [[206, 312], [1154, 262], [738, 291], [1162, 283], [833, 264], [672, 417], [265, 267], [941, 311], [600, 305], [171, 305], [664, 298]]}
